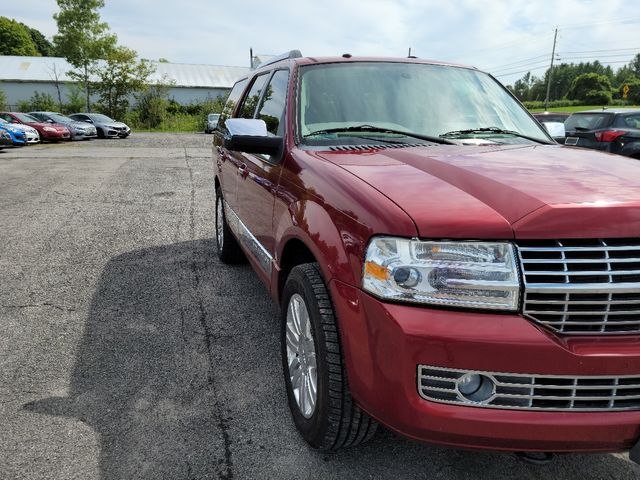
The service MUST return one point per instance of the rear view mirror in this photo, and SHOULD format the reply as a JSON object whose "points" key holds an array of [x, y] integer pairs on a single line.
{"points": [[250, 135], [555, 129], [246, 126]]}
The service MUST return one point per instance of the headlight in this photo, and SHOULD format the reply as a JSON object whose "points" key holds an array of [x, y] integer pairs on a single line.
{"points": [[49, 129], [456, 274]]}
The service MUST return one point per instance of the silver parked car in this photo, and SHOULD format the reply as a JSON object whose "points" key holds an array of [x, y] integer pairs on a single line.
{"points": [[210, 122], [79, 130], [106, 127]]}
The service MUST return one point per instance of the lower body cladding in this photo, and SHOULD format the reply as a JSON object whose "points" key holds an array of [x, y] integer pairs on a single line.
{"points": [[488, 380]]}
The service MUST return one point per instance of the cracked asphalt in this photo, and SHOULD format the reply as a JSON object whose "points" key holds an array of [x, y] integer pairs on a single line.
{"points": [[127, 350]]}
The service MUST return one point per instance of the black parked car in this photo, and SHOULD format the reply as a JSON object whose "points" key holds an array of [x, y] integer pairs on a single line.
{"points": [[616, 130]]}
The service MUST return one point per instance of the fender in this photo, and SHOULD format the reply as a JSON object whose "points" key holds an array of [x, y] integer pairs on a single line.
{"points": [[318, 228]]}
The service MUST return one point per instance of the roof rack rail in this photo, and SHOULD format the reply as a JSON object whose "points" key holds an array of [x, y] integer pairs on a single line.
{"points": [[284, 56]]}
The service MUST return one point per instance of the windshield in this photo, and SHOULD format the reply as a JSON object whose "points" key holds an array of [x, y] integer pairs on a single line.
{"points": [[23, 117], [587, 121], [429, 100], [57, 117], [98, 117], [213, 117]]}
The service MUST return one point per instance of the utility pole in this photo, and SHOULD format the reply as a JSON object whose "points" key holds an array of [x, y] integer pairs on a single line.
{"points": [[251, 58], [553, 54]]}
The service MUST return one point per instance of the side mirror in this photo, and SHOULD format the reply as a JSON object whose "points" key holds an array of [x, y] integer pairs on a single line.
{"points": [[88, 120], [250, 135], [49, 120], [555, 129]]}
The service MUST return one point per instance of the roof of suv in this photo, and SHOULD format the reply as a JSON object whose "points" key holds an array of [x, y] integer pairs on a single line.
{"points": [[611, 110], [347, 58]]}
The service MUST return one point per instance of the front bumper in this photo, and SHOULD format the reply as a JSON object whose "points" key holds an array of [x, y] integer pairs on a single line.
{"points": [[55, 135], [84, 135], [384, 344]]}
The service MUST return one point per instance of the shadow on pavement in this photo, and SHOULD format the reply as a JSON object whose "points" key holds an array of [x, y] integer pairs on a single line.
{"points": [[178, 373], [142, 378]]}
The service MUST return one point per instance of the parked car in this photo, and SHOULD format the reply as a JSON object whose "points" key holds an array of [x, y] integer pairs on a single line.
{"points": [[210, 122], [5, 139], [31, 134], [106, 127], [47, 131], [615, 130], [16, 134], [543, 117], [79, 130], [442, 266]]}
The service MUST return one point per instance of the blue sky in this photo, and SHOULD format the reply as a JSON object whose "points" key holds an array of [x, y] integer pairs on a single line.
{"points": [[504, 37]]}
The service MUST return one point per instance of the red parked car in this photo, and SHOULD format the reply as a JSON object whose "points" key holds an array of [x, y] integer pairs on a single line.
{"points": [[48, 131], [443, 267]]}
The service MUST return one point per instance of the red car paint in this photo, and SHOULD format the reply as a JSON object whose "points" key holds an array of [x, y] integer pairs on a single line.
{"points": [[335, 202], [47, 131]]}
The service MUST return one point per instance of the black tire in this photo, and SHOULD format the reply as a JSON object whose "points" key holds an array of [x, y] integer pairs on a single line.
{"points": [[100, 133], [336, 422], [226, 244]]}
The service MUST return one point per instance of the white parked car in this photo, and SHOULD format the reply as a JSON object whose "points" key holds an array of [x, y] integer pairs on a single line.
{"points": [[30, 133]]}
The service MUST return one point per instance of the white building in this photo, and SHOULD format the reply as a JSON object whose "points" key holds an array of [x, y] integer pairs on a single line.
{"points": [[20, 77]]}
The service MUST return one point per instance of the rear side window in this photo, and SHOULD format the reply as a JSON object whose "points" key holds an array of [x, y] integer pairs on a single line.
{"points": [[253, 97], [630, 121], [588, 121], [230, 105], [273, 102]]}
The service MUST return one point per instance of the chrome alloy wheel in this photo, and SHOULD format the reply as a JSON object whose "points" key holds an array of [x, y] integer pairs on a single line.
{"points": [[220, 223], [301, 356]]}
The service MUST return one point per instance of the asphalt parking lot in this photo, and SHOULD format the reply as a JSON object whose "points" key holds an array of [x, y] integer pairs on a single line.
{"points": [[127, 350]]}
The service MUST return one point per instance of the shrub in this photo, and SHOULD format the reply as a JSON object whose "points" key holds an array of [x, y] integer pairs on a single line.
{"points": [[75, 100], [598, 97], [38, 102], [3, 100], [584, 87], [152, 105]]}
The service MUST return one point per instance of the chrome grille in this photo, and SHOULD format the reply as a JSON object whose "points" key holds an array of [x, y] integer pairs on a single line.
{"points": [[535, 392], [582, 286]]}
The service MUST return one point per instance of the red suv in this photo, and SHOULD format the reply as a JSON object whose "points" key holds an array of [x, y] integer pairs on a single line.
{"points": [[443, 267]]}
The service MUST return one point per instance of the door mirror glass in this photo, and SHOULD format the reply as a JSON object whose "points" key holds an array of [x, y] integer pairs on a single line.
{"points": [[246, 126]]}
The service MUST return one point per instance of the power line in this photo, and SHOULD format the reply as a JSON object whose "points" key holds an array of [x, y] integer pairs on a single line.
{"points": [[513, 64]]}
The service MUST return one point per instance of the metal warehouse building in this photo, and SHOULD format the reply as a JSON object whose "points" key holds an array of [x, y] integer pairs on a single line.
{"points": [[20, 77]]}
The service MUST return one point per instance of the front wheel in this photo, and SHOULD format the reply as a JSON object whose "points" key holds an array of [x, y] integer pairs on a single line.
{"points": [[227, 245], [319, 398]]}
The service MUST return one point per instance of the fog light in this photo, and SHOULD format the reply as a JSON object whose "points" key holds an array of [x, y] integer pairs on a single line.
{"points": [[475, 387]]}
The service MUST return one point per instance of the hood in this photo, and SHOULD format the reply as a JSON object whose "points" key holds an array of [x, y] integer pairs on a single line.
{"points": [[541, 191], [57, 126], [115, 124]]}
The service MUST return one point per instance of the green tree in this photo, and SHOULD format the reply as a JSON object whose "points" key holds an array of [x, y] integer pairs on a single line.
{"points": [[3, 100], [635, 65], [588, 85], [633, 97], [15, 39], [120, 76], [43, 46], [82, 38]]}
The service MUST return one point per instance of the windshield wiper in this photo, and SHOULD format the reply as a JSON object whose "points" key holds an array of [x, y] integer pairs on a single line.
{"points": [[371, 128], [492, 130]]}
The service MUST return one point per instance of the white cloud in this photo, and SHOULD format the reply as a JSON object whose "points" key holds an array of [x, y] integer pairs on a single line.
{"points": [[487, 34]]}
